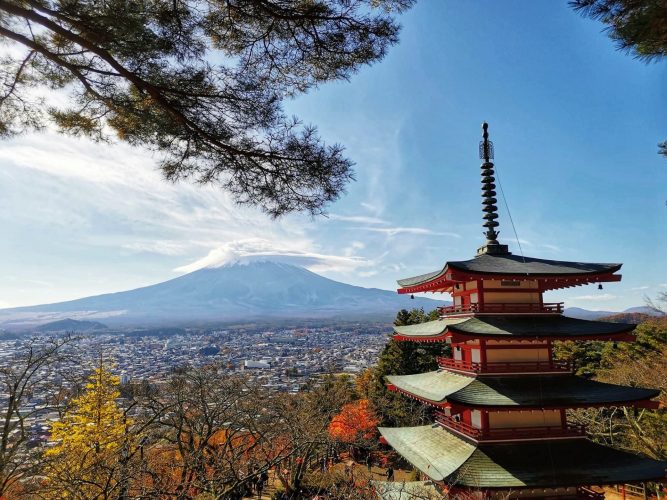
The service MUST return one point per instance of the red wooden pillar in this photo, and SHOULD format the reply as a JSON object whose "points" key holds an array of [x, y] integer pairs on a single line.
{"points": [[480, 295], [482, 353], [485, 422], [540, 292]]}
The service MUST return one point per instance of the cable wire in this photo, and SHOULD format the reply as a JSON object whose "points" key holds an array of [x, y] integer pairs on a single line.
{"points": [[502, 192]]}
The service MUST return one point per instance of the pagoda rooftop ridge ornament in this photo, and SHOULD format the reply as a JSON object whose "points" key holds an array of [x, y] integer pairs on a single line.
{"points": [[492, 246]]}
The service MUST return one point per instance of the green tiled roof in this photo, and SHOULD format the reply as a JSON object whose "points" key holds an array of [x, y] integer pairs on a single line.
{"points": [[514, 265], [409, 490], [434, 386], [431, 449], [573, 462], [524, 390], [517, 326], [428, 329], [538, 326], [422, 278]]}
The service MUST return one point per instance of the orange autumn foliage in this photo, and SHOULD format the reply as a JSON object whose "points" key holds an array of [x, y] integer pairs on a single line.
{"points": [[354, 423]]}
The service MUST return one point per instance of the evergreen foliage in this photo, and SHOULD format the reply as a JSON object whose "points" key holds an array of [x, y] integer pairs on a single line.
{"points": [[638, 27], [200, 81], [415, 316], [403, 358]]}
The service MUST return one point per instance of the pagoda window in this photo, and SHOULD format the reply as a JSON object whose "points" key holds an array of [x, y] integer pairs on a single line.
{"points": [[512, 284], [514, 419], [519, 354], [512, 297]]}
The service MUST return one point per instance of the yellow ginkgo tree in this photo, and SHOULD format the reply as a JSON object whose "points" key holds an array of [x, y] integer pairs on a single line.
{"points": [[91, 442]]}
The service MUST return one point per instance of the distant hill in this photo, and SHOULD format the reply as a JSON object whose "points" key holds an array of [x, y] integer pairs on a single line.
{"points": [[627, 317], [71, 325], [644, 310], [579, 313], [238, 292]]}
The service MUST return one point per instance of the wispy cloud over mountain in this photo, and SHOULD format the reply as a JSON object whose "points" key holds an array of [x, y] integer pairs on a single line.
{"points": [[257, 249]]}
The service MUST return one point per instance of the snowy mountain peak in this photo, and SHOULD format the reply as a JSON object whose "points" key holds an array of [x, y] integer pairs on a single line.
{"points": [[243, 290]]}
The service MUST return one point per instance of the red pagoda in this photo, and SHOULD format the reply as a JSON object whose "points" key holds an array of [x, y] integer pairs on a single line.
{"points": [[501, 428]]}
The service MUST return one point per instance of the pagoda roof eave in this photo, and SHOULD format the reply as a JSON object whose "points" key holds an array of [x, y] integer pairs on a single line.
{"points": [[456, 337], [422, 447], [560, 274], [512, 392], [441, 455], [498, 327], [429, 328]]}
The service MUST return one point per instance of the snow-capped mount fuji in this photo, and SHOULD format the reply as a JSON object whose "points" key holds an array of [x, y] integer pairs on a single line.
{"points": [[241, 291]]}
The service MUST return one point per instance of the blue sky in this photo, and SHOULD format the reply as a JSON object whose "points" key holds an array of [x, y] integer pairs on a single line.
{"points": [[575, 125]]}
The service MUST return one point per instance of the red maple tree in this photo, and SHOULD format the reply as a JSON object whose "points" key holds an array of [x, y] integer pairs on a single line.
{"points": [[356, 422]]}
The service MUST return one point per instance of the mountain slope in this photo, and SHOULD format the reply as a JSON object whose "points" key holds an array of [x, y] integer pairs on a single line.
{"points": [[254, 290], [71, 325]]}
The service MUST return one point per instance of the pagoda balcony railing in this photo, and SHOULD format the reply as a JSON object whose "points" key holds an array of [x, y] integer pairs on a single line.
{"points": [[504, 307], [506, 367], [510, 433], [458, 425]]}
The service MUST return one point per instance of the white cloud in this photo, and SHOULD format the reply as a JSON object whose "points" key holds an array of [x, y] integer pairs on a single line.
{"points": [[393, 231], [596, 298], [530, 244], [353, 248], [101, 212], [371, 207], [360, 219], [164, 247], [113, 195], [40, 283], [548, 246], [637, 288], [294, 252], [664, 285]]}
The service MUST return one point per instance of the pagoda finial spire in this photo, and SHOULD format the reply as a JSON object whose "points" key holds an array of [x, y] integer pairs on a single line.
{"points": [[489, 200]]}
